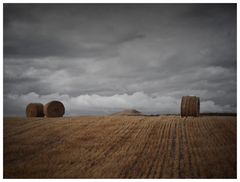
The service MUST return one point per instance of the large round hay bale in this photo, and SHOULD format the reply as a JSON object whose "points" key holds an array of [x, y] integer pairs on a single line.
{"points": [[190, 106], [54, 109], [34, 110]]}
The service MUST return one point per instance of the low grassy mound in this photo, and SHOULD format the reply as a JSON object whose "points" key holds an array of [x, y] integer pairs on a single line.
{"points": [[128, 112]]}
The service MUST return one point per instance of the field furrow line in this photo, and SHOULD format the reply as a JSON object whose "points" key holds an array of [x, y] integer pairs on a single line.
{"points": [[174, 153], [203, 155], [154, 164], [188, 157], [205, 147], [140, 156], [181, 152], [164, 168], [137, 141], [154, 136], [162, 154], [190, 135]]}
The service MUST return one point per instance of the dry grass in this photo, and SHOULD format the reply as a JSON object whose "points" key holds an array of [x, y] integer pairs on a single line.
{"points": [[120, 147]]}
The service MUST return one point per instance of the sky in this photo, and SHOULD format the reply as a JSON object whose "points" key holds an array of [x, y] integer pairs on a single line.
{"points": [[103, 58]]}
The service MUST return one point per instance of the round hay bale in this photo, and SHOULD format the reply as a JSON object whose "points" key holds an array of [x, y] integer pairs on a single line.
{"points": [[198, 106], [190, 106], [183, 105], [34, 110], [54, 109]]}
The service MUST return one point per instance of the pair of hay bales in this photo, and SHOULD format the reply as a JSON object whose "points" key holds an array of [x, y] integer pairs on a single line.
{"points": [[190, 106], [51, 109]]}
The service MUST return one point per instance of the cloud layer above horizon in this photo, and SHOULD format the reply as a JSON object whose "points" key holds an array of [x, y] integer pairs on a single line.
{"points": [[101, 58]]}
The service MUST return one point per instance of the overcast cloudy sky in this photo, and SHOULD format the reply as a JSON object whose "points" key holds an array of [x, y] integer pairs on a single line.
{"points": [[102, 58]]}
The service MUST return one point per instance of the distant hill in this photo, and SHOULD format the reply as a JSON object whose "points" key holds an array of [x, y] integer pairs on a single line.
{"points": [[128, 112]]}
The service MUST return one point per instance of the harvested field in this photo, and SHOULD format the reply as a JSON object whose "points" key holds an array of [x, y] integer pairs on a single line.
{"points": [[120, 147]]}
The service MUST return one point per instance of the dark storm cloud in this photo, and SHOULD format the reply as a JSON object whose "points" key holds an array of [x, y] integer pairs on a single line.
{"points": [[60, 31], [149, 54]]}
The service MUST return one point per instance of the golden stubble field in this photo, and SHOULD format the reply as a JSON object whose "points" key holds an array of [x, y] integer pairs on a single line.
{"points": [[120, 147]]}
